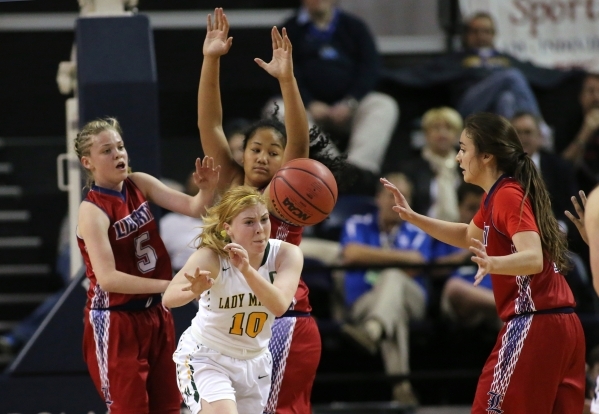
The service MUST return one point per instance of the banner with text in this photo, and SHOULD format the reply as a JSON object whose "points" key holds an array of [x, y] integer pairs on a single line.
{"points": [[550, 33]]}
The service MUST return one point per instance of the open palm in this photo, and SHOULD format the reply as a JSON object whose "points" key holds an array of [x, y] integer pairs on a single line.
{"points": [[281, 64], [217, 42]]}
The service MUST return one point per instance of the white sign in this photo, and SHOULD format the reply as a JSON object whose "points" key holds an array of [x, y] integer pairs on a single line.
{"points": [[550, 33]]}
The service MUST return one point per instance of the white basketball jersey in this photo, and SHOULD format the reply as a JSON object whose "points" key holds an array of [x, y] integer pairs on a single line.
{"points": [[230, 318]]}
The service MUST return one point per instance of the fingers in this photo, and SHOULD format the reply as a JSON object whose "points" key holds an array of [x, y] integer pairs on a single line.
{"points": [[260, 63], [287, 43], [583, 197], [209, 24], [277, 39]]}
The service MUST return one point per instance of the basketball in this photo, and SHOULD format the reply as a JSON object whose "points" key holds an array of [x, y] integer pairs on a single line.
{"points": [[303, 192]]}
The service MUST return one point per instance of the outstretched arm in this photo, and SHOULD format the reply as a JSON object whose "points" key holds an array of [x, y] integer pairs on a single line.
{"points": [[592, 228], [193, 279], [205, 177], [296, 121], [456, 234], [210, 113], [579, 221]]}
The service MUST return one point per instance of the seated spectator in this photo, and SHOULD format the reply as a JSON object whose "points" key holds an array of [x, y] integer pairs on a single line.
{"points": [[435, 173], [179, 231], [235, 132], [461, 301], [337, 68], [383, 301], [557, 173], [482, 79], [583, 151]]}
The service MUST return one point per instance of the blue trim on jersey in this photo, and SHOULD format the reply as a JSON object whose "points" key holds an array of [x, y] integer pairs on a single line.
{"points": [[120, 194], [364, 229], [500, 179]]}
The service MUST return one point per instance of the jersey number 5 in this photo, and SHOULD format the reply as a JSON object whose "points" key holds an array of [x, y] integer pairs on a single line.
{"points": [[253, 326], [146, 253]]}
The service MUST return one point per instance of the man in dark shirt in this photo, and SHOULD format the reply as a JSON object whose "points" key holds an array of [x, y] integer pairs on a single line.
{"points": [[337, 67]]}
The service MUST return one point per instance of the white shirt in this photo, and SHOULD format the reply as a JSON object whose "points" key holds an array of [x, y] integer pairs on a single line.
{"points": [[230, 318]]}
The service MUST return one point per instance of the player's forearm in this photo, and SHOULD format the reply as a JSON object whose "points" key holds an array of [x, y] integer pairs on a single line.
{"points": [[455, 234], [120, 282], [296, 120], [200, 202], [174, 297], [273, 298], [364, 255], [528, 262], [210, 113]]}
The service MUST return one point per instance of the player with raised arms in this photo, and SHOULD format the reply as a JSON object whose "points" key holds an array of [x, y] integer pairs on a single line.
{"points": [[538, 362], [243, 280], [128, 340], [268, 144]]}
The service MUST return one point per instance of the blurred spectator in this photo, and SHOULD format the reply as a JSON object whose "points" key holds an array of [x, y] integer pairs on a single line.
{"points": [[583, 151], [557, 173], [337, 68], [481, 78], [179, 231], [383, 301], [435, 173], [592, 375], [461, 301], [235, 132]]}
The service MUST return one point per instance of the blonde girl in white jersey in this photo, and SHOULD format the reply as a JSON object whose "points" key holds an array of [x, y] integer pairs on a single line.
{"points": [[243, 280]]}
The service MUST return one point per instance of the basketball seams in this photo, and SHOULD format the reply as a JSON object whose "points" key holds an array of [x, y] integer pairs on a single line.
{"points": [[313, 175], [301, 196]]}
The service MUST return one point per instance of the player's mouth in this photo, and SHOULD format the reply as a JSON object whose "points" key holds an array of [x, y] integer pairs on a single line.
{"points": [[261, 170], [121, 165]]}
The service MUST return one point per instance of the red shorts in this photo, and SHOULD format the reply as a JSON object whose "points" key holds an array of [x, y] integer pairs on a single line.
{"points": [[130, 359], [295, 347], [537, 366]]}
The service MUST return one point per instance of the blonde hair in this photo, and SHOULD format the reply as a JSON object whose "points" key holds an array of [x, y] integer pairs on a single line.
{"points": [[233, 202], [83, 141], [443, 114]]}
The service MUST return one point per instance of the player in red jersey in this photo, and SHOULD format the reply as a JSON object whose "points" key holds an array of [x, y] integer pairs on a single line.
{"points": [[537, 364], [268, 144], [129, 338]]}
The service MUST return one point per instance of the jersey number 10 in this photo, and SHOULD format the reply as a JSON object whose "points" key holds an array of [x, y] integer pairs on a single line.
{"points": [[253, 325]]}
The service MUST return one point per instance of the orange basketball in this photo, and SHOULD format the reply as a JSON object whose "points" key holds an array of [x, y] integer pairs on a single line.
{"points": [[303, 192]]}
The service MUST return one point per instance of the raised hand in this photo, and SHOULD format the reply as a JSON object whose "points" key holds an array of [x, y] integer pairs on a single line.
{"points": [[481, 259], [217, 42], [206, 174], [401, 205], [199, 282], [238, 256], [579, 221], [281, 64]]}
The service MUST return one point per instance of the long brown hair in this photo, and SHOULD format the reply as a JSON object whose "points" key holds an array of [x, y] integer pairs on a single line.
{"points": [[493, 134]]}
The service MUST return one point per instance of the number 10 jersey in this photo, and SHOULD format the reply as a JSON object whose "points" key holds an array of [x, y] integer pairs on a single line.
{"points": [[230, 318]]}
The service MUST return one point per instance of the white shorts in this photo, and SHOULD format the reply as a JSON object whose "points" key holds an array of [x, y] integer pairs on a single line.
{"points": [[205, 374]]}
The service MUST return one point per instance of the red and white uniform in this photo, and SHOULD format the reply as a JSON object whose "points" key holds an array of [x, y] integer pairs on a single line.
{"points": [[129, 340], [295, 344], [537, 364]]}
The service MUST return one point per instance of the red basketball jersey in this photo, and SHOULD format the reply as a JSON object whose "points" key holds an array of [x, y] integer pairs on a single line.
{"points": [[499, 217], [136, 244], [291, 234]]}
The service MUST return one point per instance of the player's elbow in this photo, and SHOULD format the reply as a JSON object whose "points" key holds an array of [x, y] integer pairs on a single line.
{"points": [[106, 282]]}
